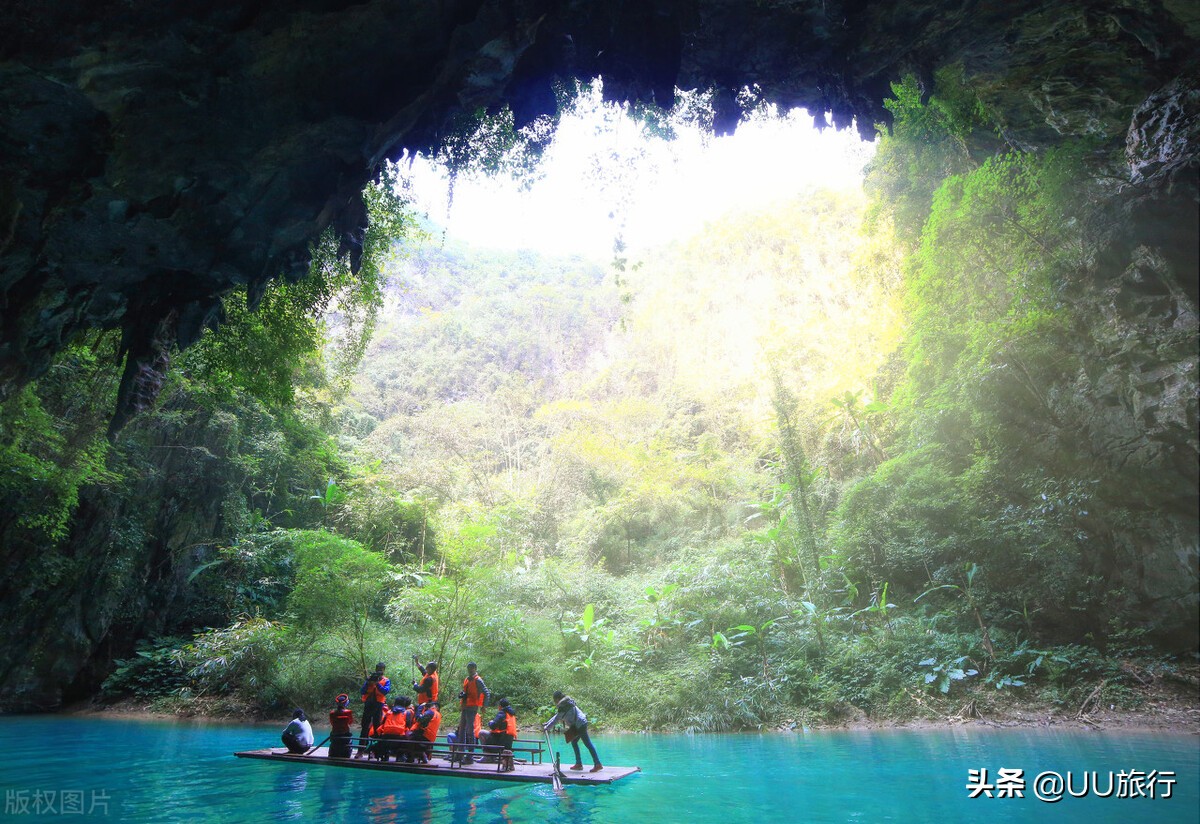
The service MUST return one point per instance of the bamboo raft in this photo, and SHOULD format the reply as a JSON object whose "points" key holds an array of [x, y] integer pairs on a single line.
{"points": [[523, 772]]}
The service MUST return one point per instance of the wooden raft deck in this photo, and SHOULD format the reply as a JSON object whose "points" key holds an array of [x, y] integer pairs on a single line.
{"points": [[524, 773]]}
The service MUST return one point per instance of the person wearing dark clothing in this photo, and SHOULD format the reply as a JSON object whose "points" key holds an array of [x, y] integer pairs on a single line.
{"points": [[341, 717], [374, 695], [575, 728], [503, 728], [473, 696], [427, 688], [452, 736], [298, 735]]}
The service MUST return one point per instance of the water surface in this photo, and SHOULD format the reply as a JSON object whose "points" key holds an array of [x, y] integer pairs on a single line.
{"points": [[160, 771]]}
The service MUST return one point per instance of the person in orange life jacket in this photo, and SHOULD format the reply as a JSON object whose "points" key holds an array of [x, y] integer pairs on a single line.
{"points": [[473, 696], [503, 728], [428, 722], [298, 735], [340, 719], [404, 749], [482, 733], [374, 695], [427, 688], [392, 730], [575, 724]]}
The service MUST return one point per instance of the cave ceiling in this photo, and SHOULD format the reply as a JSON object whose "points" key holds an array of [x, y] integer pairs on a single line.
{"points": [[155, 155]]}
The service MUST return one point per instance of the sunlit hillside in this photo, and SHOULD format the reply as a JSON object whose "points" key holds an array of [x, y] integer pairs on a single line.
{"points": [[607, 416]]}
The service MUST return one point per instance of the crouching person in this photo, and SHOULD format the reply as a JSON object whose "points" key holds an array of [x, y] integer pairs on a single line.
{"points": [[393, 731], [503, 731], [298, 734]]}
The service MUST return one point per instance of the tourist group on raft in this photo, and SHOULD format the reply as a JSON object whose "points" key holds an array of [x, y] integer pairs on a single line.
{"points": [[407, 730]]}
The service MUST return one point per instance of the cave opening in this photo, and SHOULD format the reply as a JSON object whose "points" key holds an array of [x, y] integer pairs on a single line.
{"points": [[634, 176], [164, 171]]}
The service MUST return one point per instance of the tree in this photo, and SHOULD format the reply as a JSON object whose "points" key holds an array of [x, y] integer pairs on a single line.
{"points": [[340, 589]]}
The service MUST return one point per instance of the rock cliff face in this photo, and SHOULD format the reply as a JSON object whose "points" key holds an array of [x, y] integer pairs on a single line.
{"points": [[155, 155]]}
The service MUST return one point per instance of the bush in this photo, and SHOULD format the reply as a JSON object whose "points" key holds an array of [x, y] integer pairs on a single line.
{"points": [[154, 671], [237, 657]]}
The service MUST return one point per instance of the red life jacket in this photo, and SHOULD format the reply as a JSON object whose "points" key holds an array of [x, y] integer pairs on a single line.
{"points": [[394, 723], [474, 693], [340, 720], [425, 697], [430, 731], [373, 691]]}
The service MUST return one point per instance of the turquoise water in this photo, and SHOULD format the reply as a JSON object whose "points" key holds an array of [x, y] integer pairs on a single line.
{"points": [[185, 772]]}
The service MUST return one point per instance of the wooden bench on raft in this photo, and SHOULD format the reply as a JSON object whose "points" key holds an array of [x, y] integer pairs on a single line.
{"points": [[455, 753]]}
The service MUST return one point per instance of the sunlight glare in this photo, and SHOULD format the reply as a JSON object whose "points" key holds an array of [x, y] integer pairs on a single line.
{"points": [[602, 177]]}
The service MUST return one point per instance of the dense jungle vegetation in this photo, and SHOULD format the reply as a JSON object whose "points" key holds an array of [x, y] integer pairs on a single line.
{"points": [[824, 461]]}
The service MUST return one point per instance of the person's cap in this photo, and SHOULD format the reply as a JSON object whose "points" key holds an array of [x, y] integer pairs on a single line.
{"points": [[504, 702], [342, 699], [431, 665], [558, 696], [472, 665]]}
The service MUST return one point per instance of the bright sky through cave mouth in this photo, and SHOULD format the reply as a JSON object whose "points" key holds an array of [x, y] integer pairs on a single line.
{"points": [[603, 175]]}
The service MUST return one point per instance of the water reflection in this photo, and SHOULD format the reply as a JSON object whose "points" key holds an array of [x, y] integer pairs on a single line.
{"points": [[290, 788]]}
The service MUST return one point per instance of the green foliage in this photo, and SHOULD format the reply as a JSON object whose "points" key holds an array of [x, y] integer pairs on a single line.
{"points": [[586, 638], [658, 628], [252, 576], [52, 445], [277, 346], [237, 657], [942, 675], [799, 475], [338, 581], [445, 610], [153, 672], [375, 513], [482, 143], [934, 134], [994, 248]]}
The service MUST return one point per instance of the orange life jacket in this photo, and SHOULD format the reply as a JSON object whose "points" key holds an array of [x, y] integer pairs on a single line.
{"points": [[425, 697], [430, 731], [394, 723], [373, 692], [476, 726], [474, 693], [510, 725]]}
